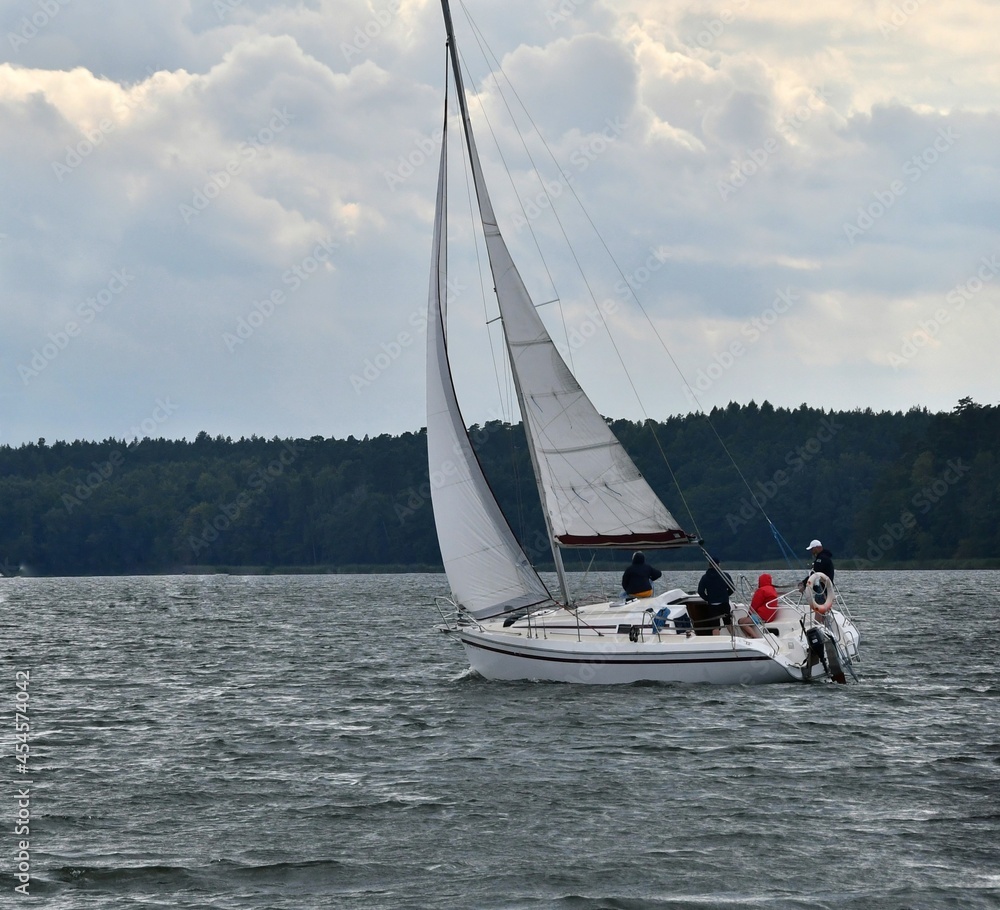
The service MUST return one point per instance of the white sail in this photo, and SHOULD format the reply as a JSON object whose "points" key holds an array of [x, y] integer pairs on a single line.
{"points": [[592, 492], [487, 569]]}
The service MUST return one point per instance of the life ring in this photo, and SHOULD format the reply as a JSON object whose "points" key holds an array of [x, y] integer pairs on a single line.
{"points": [[820, 600]]}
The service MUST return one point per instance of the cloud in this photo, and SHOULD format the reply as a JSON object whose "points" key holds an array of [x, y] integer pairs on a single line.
{"points": [[226, 154]]}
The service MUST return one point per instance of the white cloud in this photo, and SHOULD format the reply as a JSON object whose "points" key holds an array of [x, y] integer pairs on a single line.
{"points": [[835, 152]]}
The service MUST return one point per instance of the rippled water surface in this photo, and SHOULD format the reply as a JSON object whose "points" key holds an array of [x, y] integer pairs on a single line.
{"points": [[313, 742]]}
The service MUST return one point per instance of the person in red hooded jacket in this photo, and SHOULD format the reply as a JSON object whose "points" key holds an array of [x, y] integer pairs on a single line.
{"points": [[764, 605], [765, 598]]}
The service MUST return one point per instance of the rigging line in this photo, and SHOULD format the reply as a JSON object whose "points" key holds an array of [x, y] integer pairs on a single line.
{"points": [[656, 332], [482, 109], [600, 313], [553, 209], [505, 393], [580, 269], [479, 266], [506, 396], [784, 547], [453, 408], [586, 573], [495, 65]]}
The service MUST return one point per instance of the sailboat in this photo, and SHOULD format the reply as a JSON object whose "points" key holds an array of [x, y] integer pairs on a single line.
{"points": [[510, 624]]}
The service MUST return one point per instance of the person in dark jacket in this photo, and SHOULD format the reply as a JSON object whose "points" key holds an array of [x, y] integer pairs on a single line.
{"points": [[714, 588], [822, 562], [638, 578]]}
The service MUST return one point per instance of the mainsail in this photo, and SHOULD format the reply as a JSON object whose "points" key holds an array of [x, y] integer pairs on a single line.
{"points": [[592, 493], [486, 567]]}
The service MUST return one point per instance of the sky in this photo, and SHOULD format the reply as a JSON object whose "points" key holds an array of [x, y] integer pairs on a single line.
{"points": [[216, 216]]}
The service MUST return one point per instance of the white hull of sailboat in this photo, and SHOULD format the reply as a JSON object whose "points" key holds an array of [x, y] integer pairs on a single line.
{"points": [[594, 647], [725, 661]]}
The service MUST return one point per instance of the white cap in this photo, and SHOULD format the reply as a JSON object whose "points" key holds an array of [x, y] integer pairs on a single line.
{"points": [[815, 543]]}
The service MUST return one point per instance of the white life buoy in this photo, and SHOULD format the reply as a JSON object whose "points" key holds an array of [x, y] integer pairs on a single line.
{"points": [[819, 592]]}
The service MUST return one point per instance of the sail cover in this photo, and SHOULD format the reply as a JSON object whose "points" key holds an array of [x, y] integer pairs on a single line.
{"points": [[486, 567], [592, 492]]}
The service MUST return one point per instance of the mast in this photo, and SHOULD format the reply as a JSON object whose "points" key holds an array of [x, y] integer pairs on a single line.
{"points": [[490, 227], [487, 569]]}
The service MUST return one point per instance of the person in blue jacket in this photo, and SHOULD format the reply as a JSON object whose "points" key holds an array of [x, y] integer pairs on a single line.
{"points": [[638, 578]]}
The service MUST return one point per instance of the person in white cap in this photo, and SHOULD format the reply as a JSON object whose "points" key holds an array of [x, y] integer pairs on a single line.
{"points": [[822, 562]]}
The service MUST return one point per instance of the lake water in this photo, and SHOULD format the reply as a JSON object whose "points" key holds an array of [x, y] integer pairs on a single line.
{"points": [[312, 742]]}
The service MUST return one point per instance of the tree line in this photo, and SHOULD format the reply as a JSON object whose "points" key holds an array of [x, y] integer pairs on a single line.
{"points": [[878, 488]]}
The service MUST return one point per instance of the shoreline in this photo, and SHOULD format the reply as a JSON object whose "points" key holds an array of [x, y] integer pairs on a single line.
{"points": [[942, 565]]}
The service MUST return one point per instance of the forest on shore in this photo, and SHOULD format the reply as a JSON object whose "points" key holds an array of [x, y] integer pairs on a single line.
{"points": [[880, 489]]}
